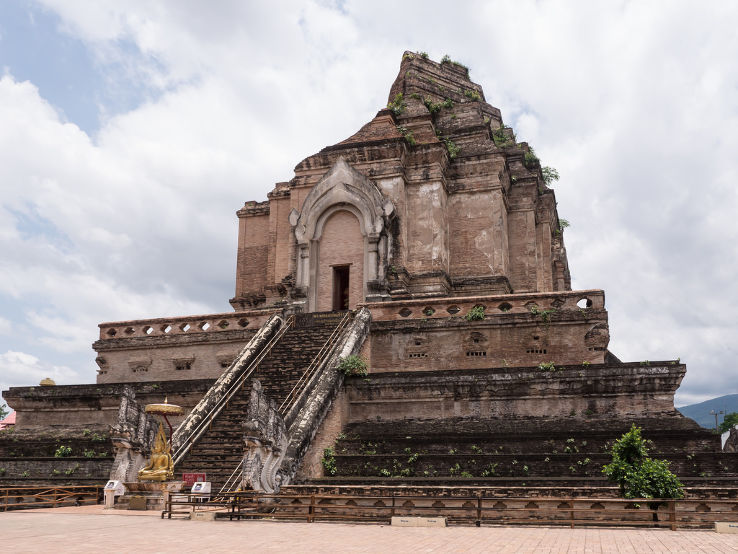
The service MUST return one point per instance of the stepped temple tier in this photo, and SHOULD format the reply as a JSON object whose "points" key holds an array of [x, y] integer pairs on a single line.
{"points": [[403, 314]]}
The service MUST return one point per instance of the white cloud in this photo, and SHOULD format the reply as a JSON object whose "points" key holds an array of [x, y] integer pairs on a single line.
{"points": [[22, 369], [634, 103]]}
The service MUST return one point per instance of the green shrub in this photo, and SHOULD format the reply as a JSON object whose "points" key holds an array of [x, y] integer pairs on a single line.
{"points": [[475, 314], [637, 475], [547, 366], [549, 175], [353, 365]]}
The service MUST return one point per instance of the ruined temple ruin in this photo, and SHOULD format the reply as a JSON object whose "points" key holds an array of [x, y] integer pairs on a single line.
{"points": [[429, 244]]}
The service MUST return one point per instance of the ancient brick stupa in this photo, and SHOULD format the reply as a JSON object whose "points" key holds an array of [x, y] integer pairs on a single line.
{"points": [[429, 244]]}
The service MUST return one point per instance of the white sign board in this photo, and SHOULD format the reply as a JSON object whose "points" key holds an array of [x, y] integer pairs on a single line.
{"points": [[116, 486]]}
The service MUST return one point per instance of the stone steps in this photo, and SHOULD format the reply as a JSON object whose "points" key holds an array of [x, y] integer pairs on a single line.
{"points": [[220, 449]]}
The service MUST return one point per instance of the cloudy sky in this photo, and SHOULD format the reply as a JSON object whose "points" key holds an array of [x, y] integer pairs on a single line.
{"points": [[131, 132]]}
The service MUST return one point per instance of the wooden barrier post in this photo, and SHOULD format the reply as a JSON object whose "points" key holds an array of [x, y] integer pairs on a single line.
{"points": [[311, 509], [479, 509], [672, 515]]}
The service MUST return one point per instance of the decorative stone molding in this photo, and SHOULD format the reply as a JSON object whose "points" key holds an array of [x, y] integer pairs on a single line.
{"points": [[132, 436], [265, 443], [342, 188]]}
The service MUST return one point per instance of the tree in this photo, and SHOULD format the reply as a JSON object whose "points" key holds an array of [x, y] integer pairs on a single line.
{"points": [[638, 475], [730, 420], [4, 411]]}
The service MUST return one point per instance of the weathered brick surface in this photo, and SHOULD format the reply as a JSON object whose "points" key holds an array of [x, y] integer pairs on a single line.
{"points": [[467, 203]]}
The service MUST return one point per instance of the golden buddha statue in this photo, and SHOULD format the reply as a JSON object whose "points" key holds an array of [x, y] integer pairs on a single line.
{"points": [[160, 467]]}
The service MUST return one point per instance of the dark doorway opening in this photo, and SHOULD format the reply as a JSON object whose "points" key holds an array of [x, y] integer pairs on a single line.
{"points": [[341, 287]]}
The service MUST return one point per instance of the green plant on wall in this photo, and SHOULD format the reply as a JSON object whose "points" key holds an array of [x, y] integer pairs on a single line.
{"points": [[329, 461], [447, 59], [452, 149], [353, 365], [407, 134], [397, 105], [500, 138], [545, 314], [473, 95], [63, 451], [435, 107], [475, 314], [530, 160]]}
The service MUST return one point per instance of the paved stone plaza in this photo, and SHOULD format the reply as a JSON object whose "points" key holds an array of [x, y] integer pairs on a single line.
{"points": [[90, 529]]}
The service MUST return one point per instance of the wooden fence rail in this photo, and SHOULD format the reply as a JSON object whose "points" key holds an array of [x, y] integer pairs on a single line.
{"points": [[465, 510], [20, 498]]}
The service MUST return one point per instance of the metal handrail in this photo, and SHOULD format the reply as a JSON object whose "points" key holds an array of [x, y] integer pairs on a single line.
{"points": [[304, 379], [230, 482], [232, 390]]}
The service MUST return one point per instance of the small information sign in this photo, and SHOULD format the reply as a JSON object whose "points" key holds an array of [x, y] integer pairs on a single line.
{"points": [[192, 478]]}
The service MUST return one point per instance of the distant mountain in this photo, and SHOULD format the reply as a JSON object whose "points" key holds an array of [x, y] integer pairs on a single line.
{"points": [[701, 412]]}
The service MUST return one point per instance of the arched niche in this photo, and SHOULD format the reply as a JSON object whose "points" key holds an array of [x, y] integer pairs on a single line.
{"points": [[342, 188]]}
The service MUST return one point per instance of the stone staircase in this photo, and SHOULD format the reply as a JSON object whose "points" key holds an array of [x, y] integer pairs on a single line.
{"points": [[220, 449]]}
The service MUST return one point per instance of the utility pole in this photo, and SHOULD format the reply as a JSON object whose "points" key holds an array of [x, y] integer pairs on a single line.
{"points": [[713, 412]]}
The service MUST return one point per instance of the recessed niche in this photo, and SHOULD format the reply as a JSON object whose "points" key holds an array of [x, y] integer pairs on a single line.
{"points": [[453, 310], [405, 312], [584, 303], [505, 307]]}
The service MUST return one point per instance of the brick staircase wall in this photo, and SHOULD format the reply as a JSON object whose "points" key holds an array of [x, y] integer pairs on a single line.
{"points": [[513, 452]]}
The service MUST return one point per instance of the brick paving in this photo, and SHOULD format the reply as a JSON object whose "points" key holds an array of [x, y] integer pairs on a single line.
{"points": [[91, 529]]}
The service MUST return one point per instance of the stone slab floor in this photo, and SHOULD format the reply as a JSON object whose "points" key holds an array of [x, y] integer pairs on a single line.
{"points": [[90, 529]]}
